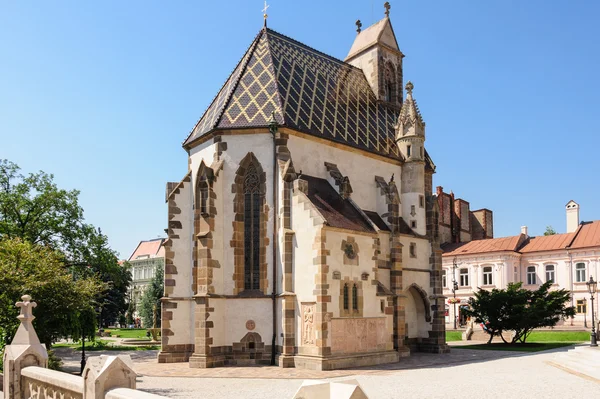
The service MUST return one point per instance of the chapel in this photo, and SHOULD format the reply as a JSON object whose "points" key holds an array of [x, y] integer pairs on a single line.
{"points": [[305, 230]]}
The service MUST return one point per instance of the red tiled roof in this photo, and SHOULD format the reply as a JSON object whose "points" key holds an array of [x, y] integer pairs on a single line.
{"points": [[548, 243], [152, 248], [481, 246], [588, 235]]}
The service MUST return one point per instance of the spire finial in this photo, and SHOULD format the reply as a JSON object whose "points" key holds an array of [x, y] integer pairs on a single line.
{"points": [[358, 25], [387, 7], [264, 10], [409, 87]]}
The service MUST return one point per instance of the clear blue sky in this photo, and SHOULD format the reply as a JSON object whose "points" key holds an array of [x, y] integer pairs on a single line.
{"points": [[103, 93]]}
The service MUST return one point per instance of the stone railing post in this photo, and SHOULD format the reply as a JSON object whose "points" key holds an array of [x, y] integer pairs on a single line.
{"points": [[24, 350], [104, 373]]}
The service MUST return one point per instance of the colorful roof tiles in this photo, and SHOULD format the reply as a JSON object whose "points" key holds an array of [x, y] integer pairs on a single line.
{"points": [[309, 91]]}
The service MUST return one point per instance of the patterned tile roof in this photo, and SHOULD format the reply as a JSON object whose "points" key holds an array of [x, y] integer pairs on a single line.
{"points": [[309, 91]]}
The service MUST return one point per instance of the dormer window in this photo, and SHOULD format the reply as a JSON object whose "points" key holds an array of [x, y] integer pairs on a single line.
{"points": [[389, 84]]}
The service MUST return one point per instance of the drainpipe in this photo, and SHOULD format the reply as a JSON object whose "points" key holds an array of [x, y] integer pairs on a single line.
{"points": [[273, 130]]}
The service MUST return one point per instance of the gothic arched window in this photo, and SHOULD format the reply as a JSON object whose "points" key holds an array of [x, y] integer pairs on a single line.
{"points": [[252, 203], [354, 298], [202, 195], [346, 297]]}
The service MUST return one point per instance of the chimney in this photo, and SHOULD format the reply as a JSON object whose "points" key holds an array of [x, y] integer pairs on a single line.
{"points": [[524, 230], [572, 216]]}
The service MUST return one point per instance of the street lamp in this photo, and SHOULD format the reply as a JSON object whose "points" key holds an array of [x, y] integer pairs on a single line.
{"points": [[585, 312], [592, 287], [454, 287]]}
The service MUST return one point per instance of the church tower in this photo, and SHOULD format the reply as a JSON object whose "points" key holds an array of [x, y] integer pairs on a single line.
{"points": [[375, 51], [410, 138]]}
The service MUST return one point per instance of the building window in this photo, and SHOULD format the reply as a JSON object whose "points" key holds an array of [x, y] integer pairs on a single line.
{"points": [[413, 224], [413, 250], [487, 276], [354, 298], [202, 195], [422, 152], [421, 201], [408, 148], [464, 277], [531, 280], [382, 305], [444, 280], [580, 272], [516, 274], [346, 297], [581, 306], [550, 273], [252, 201]]}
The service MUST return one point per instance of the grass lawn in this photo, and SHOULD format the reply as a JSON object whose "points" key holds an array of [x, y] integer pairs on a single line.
{"points": [[103, 345], [139, 333], [558, 336], [527, 347], [453, 336]]}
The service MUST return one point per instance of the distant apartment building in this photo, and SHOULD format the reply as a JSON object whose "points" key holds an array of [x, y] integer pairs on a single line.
{"points": [[568, 260], [145, 259]]}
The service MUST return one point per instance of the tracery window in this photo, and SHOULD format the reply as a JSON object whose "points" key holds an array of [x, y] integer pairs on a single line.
{"points": [[354, 298], [252, 203], [346, 297]]}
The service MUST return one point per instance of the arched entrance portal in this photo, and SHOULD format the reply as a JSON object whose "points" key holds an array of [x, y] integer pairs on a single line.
{"points": [[418, 316]]}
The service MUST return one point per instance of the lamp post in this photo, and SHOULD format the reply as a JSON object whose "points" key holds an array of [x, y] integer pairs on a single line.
{"points": [[585, 312], [592, 287], [454, 288]]}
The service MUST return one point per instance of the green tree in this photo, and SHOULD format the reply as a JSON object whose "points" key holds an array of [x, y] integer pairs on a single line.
{"points": [[34, 209], [65, 305], [150, 303], [519, 310], [549, 231]]}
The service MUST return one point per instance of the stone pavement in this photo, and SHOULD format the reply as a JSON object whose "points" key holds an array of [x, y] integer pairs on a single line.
{"points": [[459, 374]]}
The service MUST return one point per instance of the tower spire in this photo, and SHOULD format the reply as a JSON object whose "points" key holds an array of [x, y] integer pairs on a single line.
{"points": [[264, 10]]}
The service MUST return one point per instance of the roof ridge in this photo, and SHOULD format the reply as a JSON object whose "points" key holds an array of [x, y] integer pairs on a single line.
{"points": [[251, 49], [314, 50], [276, 78]]}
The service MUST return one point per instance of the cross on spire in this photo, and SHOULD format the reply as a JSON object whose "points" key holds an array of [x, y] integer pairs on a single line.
{"points": [[264, 10], [358, 25], [26, 308], [387, 7]]}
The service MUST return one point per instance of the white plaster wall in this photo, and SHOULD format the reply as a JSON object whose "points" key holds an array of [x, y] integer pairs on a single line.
{"points": [[220, 242], [204, 151], [409, 199], [310, 157], [239, 311], [366, 62], [183, 316], [219, 331], [423, 253], [182, 246], [306, 228]]}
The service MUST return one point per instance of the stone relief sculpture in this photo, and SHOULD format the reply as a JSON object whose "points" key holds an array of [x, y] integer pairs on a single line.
{"points": [[308, 322]]}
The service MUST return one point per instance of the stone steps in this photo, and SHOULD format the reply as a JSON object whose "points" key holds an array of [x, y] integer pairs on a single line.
{"points": [[582, 360]]}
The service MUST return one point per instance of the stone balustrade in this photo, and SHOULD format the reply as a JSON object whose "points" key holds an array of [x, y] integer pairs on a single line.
{"points": [[26, 374], [38, 382]]}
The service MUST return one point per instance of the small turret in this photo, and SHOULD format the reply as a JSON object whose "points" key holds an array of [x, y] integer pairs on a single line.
{"points": [[410, 129]]}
